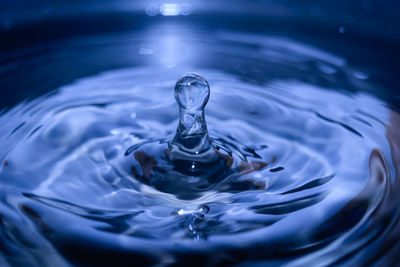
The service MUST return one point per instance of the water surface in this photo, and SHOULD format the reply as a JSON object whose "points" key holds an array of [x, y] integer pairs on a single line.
{"points": [[313, 137]]}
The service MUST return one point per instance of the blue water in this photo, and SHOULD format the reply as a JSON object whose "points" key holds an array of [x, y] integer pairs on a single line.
{"points": [[310, 144]]}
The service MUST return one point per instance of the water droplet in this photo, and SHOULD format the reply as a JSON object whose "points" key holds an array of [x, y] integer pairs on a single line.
{"points": [[191, 141], [192, 92]]}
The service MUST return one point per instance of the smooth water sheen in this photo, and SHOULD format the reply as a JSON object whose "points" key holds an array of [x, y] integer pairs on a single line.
{"points": [[310, 174]]}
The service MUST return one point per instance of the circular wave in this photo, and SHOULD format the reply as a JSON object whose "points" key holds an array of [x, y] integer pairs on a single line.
{"points": [[315, 163]]}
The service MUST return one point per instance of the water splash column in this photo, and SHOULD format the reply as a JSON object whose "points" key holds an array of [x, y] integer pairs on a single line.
{"points": [[191, 142]]}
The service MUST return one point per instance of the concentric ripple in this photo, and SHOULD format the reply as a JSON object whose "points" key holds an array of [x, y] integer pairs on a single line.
{"points": [[315, 167]]}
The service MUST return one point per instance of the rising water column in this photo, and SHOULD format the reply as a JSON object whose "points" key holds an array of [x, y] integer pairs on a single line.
{"points": [[191, 149]]}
